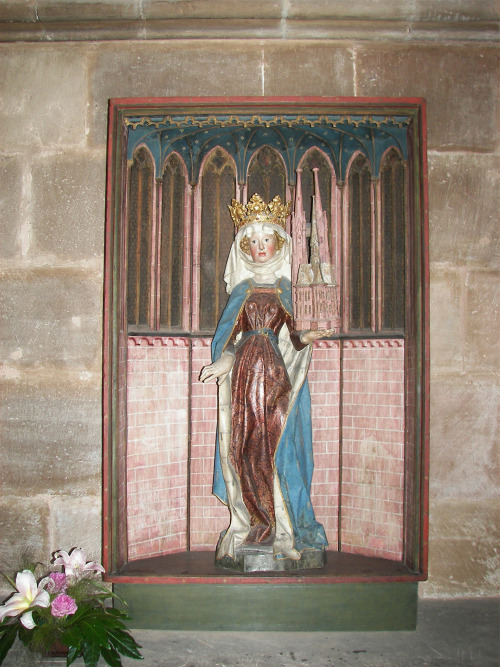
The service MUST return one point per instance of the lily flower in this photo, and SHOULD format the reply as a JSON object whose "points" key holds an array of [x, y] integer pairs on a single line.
{"points": [[29, 595], [75, 563]]}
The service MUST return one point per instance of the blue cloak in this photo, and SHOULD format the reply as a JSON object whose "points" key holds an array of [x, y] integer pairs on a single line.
{"points": [[294, 456]]}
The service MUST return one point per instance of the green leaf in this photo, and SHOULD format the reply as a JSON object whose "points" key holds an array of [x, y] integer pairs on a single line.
{"points": [[111, 657], [7, 638], [91, 653], [72, 636], [81, 613], [109, 594], [119, 613], [73, 653], [93, 633], [111, 622], [7, 624], [25, 635], [11, 582], [125, 644]]}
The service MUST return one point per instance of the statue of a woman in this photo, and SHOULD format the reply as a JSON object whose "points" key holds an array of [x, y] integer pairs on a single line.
{"points": [[264, 464]]}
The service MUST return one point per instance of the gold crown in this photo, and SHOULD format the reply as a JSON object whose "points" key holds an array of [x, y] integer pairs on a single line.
{"points": [[275, 213]]}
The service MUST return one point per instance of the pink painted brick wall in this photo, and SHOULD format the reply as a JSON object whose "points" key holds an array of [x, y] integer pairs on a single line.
{"points": [[373, 448], [157, 445], [208, 515], [324, 384]]}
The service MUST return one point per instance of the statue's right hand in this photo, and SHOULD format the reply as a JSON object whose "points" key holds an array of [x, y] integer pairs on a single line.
{"points": [[218, 370]]}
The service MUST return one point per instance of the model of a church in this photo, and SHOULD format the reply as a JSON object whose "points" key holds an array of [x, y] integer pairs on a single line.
{"points": [[315, 292]]}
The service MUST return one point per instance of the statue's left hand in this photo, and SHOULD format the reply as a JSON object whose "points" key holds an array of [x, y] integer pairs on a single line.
{"points": [[315, 334]]}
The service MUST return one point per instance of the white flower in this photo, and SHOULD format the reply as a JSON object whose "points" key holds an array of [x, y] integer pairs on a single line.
{"points": [[75, 563], [29, 595]]}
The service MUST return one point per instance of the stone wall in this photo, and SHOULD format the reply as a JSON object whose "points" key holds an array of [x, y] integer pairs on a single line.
{"points": [[61, 62]]}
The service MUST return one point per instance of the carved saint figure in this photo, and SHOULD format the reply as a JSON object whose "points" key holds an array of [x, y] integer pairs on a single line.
{"points": [[264, 463]]}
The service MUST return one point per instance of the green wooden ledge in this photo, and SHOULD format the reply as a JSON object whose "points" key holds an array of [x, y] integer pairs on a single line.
{"points": [[276, 607]]}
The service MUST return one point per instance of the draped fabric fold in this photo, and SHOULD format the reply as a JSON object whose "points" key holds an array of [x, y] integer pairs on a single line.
{"points": [[263, 463]]}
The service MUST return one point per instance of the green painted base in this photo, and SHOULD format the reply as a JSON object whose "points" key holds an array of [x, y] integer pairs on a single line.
{"points": [[276, 607]]}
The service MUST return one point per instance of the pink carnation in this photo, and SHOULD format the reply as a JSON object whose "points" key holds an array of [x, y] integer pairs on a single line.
{"points": [[63, 605], [56, 583]]}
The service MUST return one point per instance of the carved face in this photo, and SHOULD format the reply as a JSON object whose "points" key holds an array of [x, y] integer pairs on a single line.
{"points": [[262, 246]]}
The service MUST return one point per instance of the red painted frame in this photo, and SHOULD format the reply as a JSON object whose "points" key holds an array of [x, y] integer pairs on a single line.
{"points": [[122, 105]]}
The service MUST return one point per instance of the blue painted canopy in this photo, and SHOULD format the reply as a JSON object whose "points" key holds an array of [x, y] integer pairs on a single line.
{"points": [[241, 135]]}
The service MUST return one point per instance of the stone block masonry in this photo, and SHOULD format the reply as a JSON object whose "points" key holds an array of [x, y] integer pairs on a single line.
{"points": [[53, 116]]}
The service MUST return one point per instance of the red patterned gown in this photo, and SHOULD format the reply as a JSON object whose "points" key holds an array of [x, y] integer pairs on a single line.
{"points": [[260, 394]]}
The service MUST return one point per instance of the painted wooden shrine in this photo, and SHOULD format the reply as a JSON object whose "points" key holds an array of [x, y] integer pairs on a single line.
{"points": [[359, 266]]}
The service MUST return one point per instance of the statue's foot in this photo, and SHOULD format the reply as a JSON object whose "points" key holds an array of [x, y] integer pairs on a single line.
{"points": [[287, 552]]}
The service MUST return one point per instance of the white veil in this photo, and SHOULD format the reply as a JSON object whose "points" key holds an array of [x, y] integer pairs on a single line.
{"points": [[240, 266]]}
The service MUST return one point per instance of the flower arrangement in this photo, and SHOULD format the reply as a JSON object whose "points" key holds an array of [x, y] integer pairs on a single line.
{"points": [[66, 606]]}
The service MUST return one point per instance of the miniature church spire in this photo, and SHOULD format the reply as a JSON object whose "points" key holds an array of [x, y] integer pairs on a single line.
{"points": [[315, 295], [317, 277], [321, 221], [298, 230]]}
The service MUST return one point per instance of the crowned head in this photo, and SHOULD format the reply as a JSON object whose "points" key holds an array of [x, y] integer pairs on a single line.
{"points": [[262, 226], [256, 211]]}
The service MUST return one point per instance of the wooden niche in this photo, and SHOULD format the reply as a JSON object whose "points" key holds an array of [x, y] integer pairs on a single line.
{"points": [[173, 167]]}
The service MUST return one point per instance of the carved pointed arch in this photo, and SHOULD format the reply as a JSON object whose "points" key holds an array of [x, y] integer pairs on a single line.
{"points": [[360, 244], [171, 243], [139, 239], [218, 187], [393, 243], [267, 174]]}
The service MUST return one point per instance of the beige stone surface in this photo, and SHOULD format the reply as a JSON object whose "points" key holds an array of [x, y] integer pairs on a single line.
{"points": [[215, 9], [369, 20], [171, 69], [351, 30], [76, 522], [33, 528], [464, 436], [460, 84], [458, 9], [95, 10], [463, 552], [24, 525], [464, 204], [18, 10], [51, 317], [11, 195], [483, 322], [446, 325], [309, 68], [58, 10], [42, 10], [447, 10], [52, 434], [68, 195], [44, 96], [393, 9], [53, 127]]}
